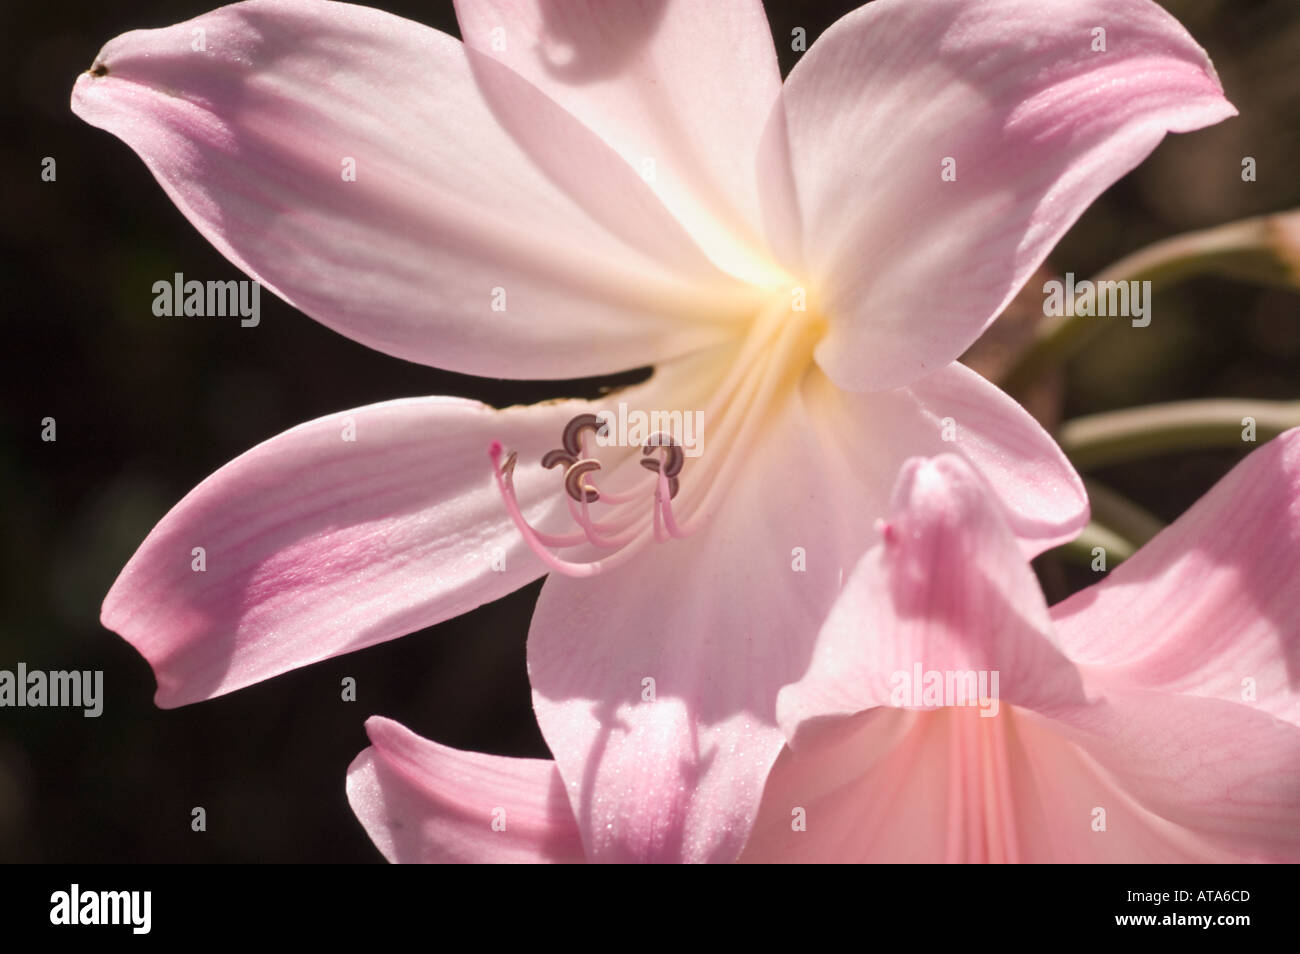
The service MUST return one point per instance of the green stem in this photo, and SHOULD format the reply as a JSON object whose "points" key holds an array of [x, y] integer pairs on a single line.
{"points": [[1098, 440], [1232, 249], [1134, 523], [1079, 550]]}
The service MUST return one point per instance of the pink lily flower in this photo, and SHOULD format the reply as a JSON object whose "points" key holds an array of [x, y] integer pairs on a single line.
{"points": [[1152, 717], [582, 188]]}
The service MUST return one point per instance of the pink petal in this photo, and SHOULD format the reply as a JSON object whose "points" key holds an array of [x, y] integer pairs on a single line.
{"points": [[893, 786], [690, 87], [911, 268], [888, 785], [872, 787], [1211, 606], [424, 802], [961, 412], [1221, 778], [315, 545], [947, 591], [447, 213]]}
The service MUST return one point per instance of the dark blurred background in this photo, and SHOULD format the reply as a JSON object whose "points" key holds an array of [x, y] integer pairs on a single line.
{"points": [[148, 408]]}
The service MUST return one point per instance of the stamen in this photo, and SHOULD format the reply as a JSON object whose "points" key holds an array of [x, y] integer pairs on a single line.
{"points": [[638, 492], [763, 370], [672, 463], [505, 484], [558, 456], [597, 533], [663, 504], [574, 429], [505, 481], [621, 534], [660, 535], [574, 484], [673, 457]]}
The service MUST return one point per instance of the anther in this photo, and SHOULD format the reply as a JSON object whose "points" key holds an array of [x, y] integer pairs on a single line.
{"points": [[573, 432], [507, 468], [558, 456], [671, 464], [577, 488]]}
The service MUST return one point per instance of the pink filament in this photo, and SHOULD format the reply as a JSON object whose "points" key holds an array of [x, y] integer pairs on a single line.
{"points": [[619, 536]]}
